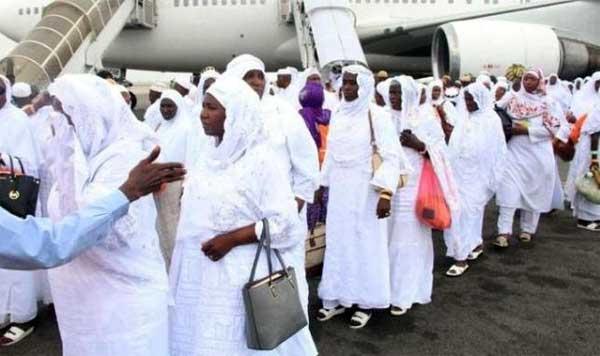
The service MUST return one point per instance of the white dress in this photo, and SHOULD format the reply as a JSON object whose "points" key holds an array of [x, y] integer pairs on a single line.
{"points": [[112, 300], [208, 317], [477, 153], [528, 181], [410, 242], [356, 265], [19, 290]]}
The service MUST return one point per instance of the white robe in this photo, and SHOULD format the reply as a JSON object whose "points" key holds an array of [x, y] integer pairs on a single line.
{"points": [[208, 315], [356, 265], [112, 300], [410, 241], [297, 156], [19, 290], [477, 153]]}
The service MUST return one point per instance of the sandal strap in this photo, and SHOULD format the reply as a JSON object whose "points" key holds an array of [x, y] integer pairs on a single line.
{"points": [[360, 317], [14, 333]]}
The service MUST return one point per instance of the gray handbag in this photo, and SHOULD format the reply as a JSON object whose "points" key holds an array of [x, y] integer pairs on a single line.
{"points": [[274, 312]]}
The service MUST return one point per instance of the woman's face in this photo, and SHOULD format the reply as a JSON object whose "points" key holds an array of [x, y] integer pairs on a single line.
{"points": [[256, 80], [470, 102], [213, 117], [396, 96], [500, 91], [168, 109], [531, 83], [350, 86], [313, 78], [436, 92]]}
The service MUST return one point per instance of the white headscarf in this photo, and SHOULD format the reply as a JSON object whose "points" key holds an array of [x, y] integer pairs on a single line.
{"points": [[435, 83], [242, 64], [243, 122], [410, 96], [586, 98], [99, 113], [383, 89], [366, 89], [209, 74], [484, 79], [500, 84], [482, 96], [559, 92]]}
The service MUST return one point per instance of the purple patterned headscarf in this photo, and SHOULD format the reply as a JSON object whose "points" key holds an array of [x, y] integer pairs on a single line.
{"points": [[312, 98]]}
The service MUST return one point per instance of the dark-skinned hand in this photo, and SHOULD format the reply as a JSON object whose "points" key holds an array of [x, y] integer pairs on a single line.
{"points": [[148, 177], [571, 118], [384, 207], [408, 139], [519, 129], [219, 246]]}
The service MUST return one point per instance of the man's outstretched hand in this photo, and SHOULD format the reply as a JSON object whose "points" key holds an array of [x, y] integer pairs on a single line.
{"points": [[147, 177]]}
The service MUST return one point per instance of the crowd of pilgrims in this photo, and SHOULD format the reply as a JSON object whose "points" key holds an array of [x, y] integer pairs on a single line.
{"points": [[297, 152]]}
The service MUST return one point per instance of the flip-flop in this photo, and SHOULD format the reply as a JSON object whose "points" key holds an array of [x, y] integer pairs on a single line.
{"points": [[525, 237], [397, 311], [592, 226], [501, 241], [457, 271]]}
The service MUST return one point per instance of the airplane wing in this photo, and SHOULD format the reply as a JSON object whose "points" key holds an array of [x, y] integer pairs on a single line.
{"points": [[375, 32]]}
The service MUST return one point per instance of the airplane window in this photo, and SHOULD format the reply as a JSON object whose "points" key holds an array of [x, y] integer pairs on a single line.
{"points": [[215, 2], [252, 2], [224, 2], [243, 2], [262, 2], [176, 3], [358, 1], [28, 11], [204, 2], [396, 1], [20, 11], [386, 1], [377, 1], [233, 2], [186, 3]]}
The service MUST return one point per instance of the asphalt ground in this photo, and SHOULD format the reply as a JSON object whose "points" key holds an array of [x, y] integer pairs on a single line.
{"points": [[543, 299]]}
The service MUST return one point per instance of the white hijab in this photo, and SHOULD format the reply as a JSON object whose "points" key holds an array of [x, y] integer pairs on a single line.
{"points": [[209, 74], [439, 84], [559, 93], [243, 122], [586, 98]]}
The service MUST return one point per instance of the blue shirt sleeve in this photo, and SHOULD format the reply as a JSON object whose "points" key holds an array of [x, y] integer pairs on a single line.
{"points": [[37, 243]]}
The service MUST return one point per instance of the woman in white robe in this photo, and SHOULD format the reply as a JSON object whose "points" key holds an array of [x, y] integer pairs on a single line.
{"points": [[443, 108], [18, 289], [356, 265], [231, 189], [295, 150], [410, 241], [477, 151], [586, 212], [112, 300], [528, 182]]}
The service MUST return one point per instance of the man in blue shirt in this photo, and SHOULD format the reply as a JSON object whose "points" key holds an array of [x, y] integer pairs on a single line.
{"points": [[37, 243]]}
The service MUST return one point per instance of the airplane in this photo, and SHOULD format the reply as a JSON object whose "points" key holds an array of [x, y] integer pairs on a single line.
{"points": [[409, 36]]}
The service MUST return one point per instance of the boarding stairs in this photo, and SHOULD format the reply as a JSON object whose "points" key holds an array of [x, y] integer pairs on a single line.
{"points": [[326, 32], [72, 36]]}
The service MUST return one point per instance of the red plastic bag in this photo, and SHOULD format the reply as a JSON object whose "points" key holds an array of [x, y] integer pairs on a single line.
{"points": [[431, 208]]}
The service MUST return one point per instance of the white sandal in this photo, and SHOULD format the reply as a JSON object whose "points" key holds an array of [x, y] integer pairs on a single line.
{"points": [[525, 237], [325, 314], [474, 255], [15, 335], [501, 241], [457, 271], [397, 311], [360, 319], [592, 226]]}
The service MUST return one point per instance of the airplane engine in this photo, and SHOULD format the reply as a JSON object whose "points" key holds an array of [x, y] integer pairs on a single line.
{"points": [[487, 45]]}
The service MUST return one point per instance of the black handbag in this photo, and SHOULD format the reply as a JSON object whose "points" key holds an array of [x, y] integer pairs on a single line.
{"points": [[274, 312], [507, 122], [18, 192]]}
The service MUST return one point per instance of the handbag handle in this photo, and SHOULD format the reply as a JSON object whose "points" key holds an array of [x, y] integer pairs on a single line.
{"points": [[372, 132], [12, 165], [265, 242]]}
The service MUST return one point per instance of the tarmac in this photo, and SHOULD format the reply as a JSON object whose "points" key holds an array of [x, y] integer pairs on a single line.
{"points": [[542, 299]]}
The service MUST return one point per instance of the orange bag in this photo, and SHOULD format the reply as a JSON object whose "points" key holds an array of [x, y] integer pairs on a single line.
{"points": [[431, 208]]}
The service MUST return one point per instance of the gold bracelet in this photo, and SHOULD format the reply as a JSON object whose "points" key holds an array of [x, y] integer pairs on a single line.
{"points": [[385, 197]]}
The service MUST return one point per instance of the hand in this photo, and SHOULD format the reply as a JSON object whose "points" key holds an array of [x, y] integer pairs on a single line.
{"points": [[594, 166], [319, 195], [571, 118], [384, 207], [148, 177], [519, 129], [300, 204], [219, 246], [408, 139], [41, 100]]}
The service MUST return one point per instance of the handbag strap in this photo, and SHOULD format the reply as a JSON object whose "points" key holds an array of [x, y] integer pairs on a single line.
{"points": [[265, 242], [372, 131], [20, 165]]}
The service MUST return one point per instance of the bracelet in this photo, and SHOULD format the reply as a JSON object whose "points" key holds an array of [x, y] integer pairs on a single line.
{"points": [[385, 197]]}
